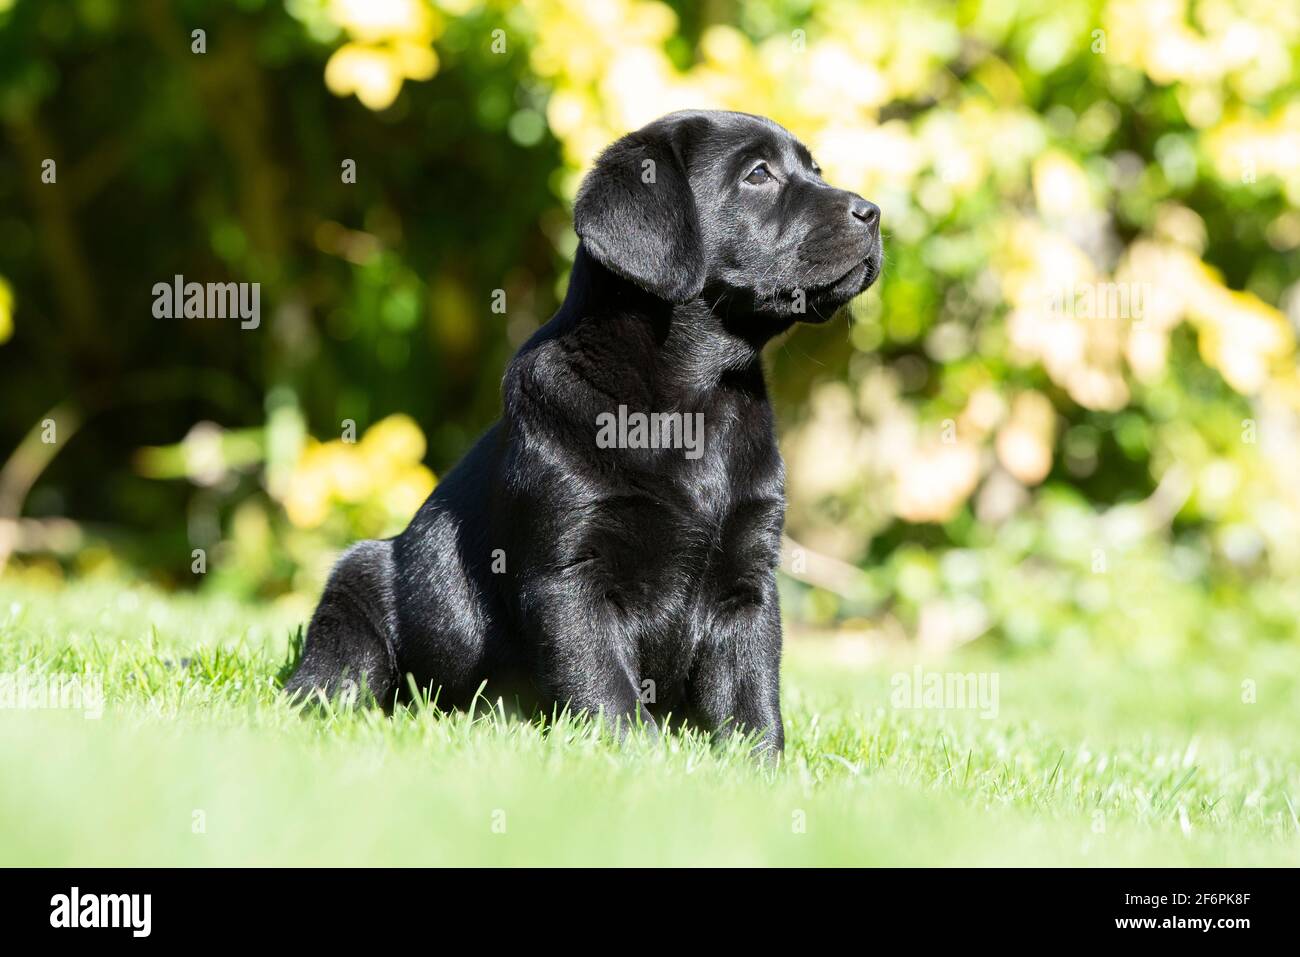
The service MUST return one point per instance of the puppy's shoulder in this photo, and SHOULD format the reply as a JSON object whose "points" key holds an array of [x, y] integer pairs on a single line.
{"points": [[575, 368], [533, 375]]}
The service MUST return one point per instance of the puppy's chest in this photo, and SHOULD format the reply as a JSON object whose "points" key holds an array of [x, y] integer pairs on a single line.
{"points": [[697, 498], [689, 571], [688, 539]]}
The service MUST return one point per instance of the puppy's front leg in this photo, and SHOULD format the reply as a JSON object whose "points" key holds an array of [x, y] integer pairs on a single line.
{"points": [[585, 657], [735, 684]]}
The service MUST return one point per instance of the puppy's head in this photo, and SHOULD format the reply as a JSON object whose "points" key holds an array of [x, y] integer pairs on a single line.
{"points": [[728, 206]]}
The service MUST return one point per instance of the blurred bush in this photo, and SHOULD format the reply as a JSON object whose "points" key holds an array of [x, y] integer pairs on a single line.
{"points": [[1069, 411]]}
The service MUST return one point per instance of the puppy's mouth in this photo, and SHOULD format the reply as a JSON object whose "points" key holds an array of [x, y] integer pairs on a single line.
{"points": [[814, 299], [858, 276], [827, 297]]}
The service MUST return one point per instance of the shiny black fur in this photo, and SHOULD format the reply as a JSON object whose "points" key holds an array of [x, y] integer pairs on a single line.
{"points": [[631, 583]]}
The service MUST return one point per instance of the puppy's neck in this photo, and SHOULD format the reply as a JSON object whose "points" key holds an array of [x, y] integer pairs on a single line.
{"points": [[696, 345], [704, 351]]}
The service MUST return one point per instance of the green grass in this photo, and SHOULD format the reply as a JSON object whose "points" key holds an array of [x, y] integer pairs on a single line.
{"points": [[1090, 761]]}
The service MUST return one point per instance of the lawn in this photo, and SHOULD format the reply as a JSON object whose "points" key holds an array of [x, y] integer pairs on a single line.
{"points": [[195, 759]]}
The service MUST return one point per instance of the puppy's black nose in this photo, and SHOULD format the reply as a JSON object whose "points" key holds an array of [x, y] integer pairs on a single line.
{"points": [[866, 212]]}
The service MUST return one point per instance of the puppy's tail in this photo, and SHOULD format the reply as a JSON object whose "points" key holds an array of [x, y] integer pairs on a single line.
{"points": [[350, 648]]}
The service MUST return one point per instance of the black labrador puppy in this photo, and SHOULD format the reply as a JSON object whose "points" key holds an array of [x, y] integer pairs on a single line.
{"points": [[611, 544]]}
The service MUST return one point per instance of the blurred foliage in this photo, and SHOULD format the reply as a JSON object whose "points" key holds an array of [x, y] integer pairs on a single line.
{"points": [[1069, 409]]}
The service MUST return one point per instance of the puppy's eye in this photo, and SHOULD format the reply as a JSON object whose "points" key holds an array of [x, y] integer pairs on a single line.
{"points": [[759, 175]]}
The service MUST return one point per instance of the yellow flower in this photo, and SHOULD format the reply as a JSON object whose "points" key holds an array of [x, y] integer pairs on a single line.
{"points": [[405, 496], [307, 499], [1241, 335], [6, 311], [372, 73], [391, 41], [393, 441], [372, 21], [380, 478]]}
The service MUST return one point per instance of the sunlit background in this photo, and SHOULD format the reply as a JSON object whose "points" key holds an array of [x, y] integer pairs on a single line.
{"points": [[1068, 413]]}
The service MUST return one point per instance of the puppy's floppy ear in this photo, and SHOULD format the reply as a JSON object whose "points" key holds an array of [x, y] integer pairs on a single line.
{"points": [[636, 214]]}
